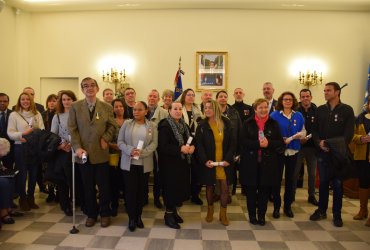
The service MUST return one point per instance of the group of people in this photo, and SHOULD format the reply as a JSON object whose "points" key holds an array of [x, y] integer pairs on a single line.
{"points": [[119, 142]]}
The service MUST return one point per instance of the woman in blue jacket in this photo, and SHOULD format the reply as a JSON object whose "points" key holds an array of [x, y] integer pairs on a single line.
{"points": [[291, 125]]}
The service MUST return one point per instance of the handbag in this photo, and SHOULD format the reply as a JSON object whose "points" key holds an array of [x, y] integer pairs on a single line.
{"points": [[113, 160]]}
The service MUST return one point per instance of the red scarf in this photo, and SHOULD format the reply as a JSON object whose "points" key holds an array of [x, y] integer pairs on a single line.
{"points": [[261, 126]]}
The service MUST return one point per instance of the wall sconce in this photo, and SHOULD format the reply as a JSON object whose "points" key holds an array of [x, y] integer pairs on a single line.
{"points": [[118, 78], [310, 79]]}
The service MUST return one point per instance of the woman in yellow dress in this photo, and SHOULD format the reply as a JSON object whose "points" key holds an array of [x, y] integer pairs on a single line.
{"points": [[215, 150]]}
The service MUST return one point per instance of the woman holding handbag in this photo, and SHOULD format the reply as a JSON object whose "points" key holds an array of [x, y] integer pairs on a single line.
{"points": [[64, 155]]}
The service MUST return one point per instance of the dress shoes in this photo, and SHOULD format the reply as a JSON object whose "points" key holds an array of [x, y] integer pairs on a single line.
{"points": [[169, 220], [253, 220], [261, 220], [90, 222], [318, 215], [312, 200], [139, 222], [178, 218], [131, 225], [105, 221], [288, 212], [337, 220], [276, 214]]}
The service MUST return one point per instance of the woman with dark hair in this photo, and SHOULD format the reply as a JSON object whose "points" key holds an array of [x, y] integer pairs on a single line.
{"points": [[192, 114], [175, 156], [259, 170], [292, 129], [137, 139], [361, 141], [22, 122], [115, 173], [215, 143], [47, 116], [59, 126]]}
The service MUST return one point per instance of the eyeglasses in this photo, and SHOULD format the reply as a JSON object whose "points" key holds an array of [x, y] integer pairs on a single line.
{"points": [[192, 95], [86, 86], [287, 100]]}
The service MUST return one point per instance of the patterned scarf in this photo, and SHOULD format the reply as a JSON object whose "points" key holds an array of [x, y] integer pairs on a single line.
{"points": [[179, 129]]}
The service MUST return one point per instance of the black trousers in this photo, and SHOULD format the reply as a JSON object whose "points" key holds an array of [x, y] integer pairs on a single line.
{"points": [[115, 185], [135, 181], [257, 199], [290, 163], [195, 185], [92, 175], [157, 187]]}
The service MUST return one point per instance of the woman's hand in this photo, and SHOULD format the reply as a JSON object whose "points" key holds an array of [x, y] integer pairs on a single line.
{"points": [[27, 131], [225, 164], [184, 149], [209, 164], [264, 142], [135, 152], [191, 149]]}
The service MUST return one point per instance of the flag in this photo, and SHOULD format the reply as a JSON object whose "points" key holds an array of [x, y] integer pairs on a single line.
{"points": [[178, 84], [367, 88]]}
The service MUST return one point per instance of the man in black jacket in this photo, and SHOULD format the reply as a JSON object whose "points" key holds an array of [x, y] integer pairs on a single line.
{"points": [[245, 111], [8, 160], [335, 120], [308, 150]]}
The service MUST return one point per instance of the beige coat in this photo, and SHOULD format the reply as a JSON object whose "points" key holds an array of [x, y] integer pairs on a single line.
{"points": [[86, 133]]}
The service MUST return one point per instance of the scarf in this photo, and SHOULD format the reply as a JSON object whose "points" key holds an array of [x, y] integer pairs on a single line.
{"points": [[261, 126], [179, 129]]}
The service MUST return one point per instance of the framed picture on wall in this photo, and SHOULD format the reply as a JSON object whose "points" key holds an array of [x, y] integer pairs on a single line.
{"points": [[211, 70]]}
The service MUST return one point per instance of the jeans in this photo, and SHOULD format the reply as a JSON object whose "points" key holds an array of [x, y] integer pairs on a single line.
{"points": [[309, 154], [326, 176], [24, 169]]}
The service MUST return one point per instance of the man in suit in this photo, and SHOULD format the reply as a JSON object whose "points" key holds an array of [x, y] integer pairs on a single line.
{"points": [[7, 160], [92, 125], [268, 92], [129, 96]]}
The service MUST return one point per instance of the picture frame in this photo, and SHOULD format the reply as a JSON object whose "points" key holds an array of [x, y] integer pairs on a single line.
{"points": [[211, 70]]}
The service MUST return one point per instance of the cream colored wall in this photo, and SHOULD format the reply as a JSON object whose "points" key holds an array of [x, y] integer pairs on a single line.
{"points": [[261, 46]]}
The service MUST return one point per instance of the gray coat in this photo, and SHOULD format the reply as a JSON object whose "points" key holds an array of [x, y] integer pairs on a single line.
{"points": [[124, 142]]}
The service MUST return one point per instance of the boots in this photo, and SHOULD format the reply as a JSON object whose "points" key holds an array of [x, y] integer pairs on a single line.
{"points": [[31, 203], [364, 197], [223, 218], [23, 204], [210, 212]]}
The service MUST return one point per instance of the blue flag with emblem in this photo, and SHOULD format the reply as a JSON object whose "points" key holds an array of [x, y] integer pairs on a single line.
{"points": [[178, 82]]}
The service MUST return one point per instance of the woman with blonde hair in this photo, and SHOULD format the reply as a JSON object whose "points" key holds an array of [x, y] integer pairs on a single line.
{"points": [[22, 122], [215, 144]]}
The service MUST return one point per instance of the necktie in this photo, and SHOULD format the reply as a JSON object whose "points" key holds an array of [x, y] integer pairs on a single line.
{"points": [[2, 121]]}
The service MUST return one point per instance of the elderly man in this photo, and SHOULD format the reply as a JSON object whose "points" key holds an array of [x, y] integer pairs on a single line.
{"points": [[92, 126], [155, 114], [268, 92]]}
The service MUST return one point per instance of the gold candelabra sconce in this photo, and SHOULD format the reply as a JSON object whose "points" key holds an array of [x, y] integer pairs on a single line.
{"points": [[118, 78], [310, 79]]}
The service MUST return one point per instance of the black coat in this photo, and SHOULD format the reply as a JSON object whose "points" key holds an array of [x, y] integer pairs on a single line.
{"points": [[269, 173], [174, 170], [206, 150]]}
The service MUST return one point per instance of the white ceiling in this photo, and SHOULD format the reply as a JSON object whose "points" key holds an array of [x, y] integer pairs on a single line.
{"points": [[88, 5]]}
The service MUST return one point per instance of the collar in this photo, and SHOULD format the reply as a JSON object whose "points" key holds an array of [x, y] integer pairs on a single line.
{"points": [[287, 116]]}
